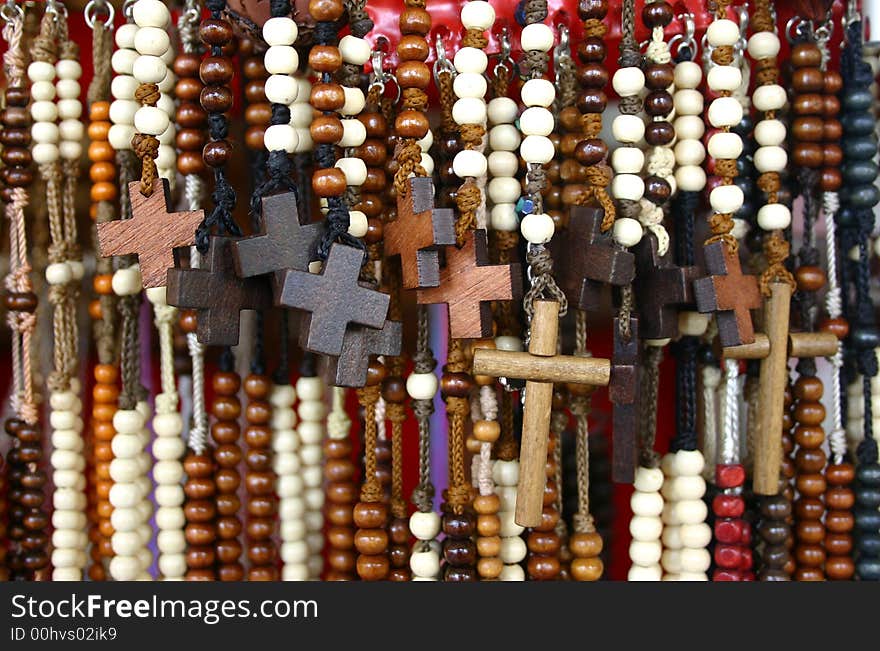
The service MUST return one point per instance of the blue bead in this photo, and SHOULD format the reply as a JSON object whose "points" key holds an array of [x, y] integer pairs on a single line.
{"points": [[860, 172], [859, 148], [857, 100], [867, 519], [868, 474], [863, 196], [520, 14], [525, 206], [846, 217], [868, 496], [858, 124], [865, 337], [868, 569], [869, 544]]}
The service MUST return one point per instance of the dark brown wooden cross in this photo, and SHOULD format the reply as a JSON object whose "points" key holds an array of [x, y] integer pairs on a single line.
{"points": [[468, 283], [418, 233], [728, 293], [332, 300], [359, 343], [152, 233], [217, 294], [661, 289], [283, 243], [587, 259], [623, 392]]}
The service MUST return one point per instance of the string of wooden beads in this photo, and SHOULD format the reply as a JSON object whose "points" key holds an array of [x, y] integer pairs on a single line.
{"points": [[646, 526], [502, 163], [685, 555], [543, 542], [286, 463], [281, 89], [732, 534], [394, 397], [487, 430], [505, 472], [340, 491], [259, 479], [312, 414]]}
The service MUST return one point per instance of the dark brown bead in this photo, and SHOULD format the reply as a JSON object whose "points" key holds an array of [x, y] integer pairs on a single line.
{"points": [[259, 113], [191, 115], [453, 574], [190, 139], [371, 541], [659, 76], [18, 177], [374, 230], [808, 154], [808, 104], [18, 156], [198, 488], [456, 385], [413, 74], [186, 65], [372, 567], [838, 497], [399, 531], [372, 152], [658, 134], [458, 526], [376, 127], [376, 180], [832, 154], [17, 96], [810, 279], [592, 9], [216, 99], [15, 117], [808, 129], [808, 460], [831, 179], [657, 190], [839, 568], [543, 568], [591, 50], [15, 137], [231, 571], [394, 389], [325, 58], [592, 101], [459, 551], [593, 76], [255, 91], [658, 103], [833, 82], [838, 543], [326, 10], [326, 129], [590, 152], [216, 70], [370, 515], [411, 124], [832, 130], [226, 408], [804, 55], [20, 301], [215, 31], [830, 106], [412, 48], [342, 492], [807, 80], [415, 20], [341, 560], [188, 90], [810, 555], [657, 14], [35, 521]]}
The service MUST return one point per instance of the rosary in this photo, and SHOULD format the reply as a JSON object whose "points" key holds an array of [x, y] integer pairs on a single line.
{"points": [[499, 292]]}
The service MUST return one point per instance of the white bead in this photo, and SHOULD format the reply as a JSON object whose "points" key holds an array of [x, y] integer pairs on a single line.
{"points": [[62, 419], [689, 462], [648, 479], [688, 102], [149, 69], [68, 69], [504, 138], [695, 560], [67, 525], [690, 127], [172, 566], [687, 75], [311, 454], [284, 395], [427, 162], [125, 568], [469, 110], [168, 448], [628, 128], [128, 421], [152, 40], [628, 186], [41, 71], [122, 111], [469, 162], [427, 141], [536, 37], [503, 189], [42, 91], [689, 152], [281, 137], [513, 550], [127, 282], [695, 535], [537, 228], [312, 410], [470, 59], [690, 511], [628, 81], [123, 470], [67, 89], [124, 496], [293, 530], [536, 121], [125, 519], [538, 92], [769, 133], [355, 170], [690, 178], [353, 133], [71, 130], [425, 564], [280, 30], [502, 110], [537, 149], [763, 45], [512, 572], [77, 268], [774, 216], [150, 13], [671, 560], [281, 89], [671, 537], [354, 50], [502, 163], [477, 14], [724, 78], [509, 343], [691, 487], [357, 223], [301, 113], [644, 527], [45, 132], [69, 109], [724, 144], [424, 526], [509, 527], [646, 503], [726, 199], [770, 159], [126, 445], [68, 499], [505, 473], [170, 517], [126, 542], [725, 112], [58, 273], [67, 439], [151, 120], [645, 552], [769, 98], [44, 153], [281, 60], [67, 460], [469, 84], [507, 498], [722, 31], [627, 160], [169, 494], [283, 419], [503, 217], [125, 35], [354, 101], [63, 400]]}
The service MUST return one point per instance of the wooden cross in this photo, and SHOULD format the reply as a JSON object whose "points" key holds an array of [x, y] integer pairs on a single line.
{"points": [[589, 258], [623, 392], [418, 233], [350, 368], [773, 349], [540, 367], [661, 288], [468, 283], [152, 233], [283, 243], [217, 294], [728, 293], [332, 300]]}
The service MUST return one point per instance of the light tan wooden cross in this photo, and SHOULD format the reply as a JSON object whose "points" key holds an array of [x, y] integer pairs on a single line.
{"points": [[774, 347], [540, 367]]}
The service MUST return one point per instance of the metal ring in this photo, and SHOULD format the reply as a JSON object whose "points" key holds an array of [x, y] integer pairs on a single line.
{"points": [[95, 8], [9, 11]]}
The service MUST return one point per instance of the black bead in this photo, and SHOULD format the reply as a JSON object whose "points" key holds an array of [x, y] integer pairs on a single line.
{"points": [[868, 473], [868, 496], [868, 569], [867, 519], [859, 148], [869, 544], [857, 100], [857, 124], [860, 172], [863, 196], [865, 337]]}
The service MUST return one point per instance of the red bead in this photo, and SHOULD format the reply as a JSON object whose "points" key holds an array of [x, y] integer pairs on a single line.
{"points": [[728, 531], [728, 506], [726, 575], [747, 576], [746, 538], [729, 476], [745, 559], [728, 556]]}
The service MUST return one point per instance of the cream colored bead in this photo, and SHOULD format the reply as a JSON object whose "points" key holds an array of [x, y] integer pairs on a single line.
{"points": [[152, 41], [72, 130], [769, 133], [469, 84], [645, 552], [671, 560], [503, 163], [513, 550], [122, 61], [645, 528], [425, 564], [355, 170], [763, 45], [690, 127], [353, 133], [646, 503], [170, 517], [354, 50], [45, 132], [281, 137], [725, 145], [628, 81], [773, 216], [628, 186], [169, 494], [168, 448], [426, 142], [538, 92], [504, 138], [688, 102], [722, 31], [648, 479], [689, 462], [536, 121], [120, 135], [40, 71], [127, 282], [281, 60], [280, 30], [67, 89], [695, 535], [469, 110], [69, 109], [150, 13], [67, 439], [509, 527], [68, 499], [45, 152], [470, 59], [149, 69], [671, 537], [536, 37], [67, 460], [424, 525], [45, 111], [627, 160], [769, 98], [695, 560], [503, 217], [42, 91], [690, 511], [726, 199], [151, 120], [502, 110], [770, 159], [58, 273], [509, 343], [689, 152], [725, 112], [537, 149], [312, 410], [687, 75], [354, 101], [537, 228], [128, 421], [469, 162], [505, 473], [690, 178], [281, 89], [507, 497], [512, 572], [503, 189], [357, 223]]}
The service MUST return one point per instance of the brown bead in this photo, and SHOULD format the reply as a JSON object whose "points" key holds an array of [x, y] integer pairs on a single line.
{"points": [[328, 182], [190, 139], [327, 97], [376, 180], [587, 568], [659, 76], [371, 541], [341, 560], [805, 55], [411, 124], [255, 91], [372, 152], [591, 50], [808, 104], [839, 521], [489, 567], [260, 483], [394, 390], [215, 31], [18, 177], [809, 413], [20, 138], [592, 75], [373, 567], [811, 485], [838, 543], [810, 531], [840, 474], [20, 96], [259, 113], [325, 58], [831, 179], [191, 115], [830, 105], [340, 537], [838, 497], [809, 508], [199, 510], [658, 103], [376, 373], [657, 190], [340, 515], [226, 407], [592, 101], [415, 20], [657, 14], [839, 568], [186, 65], [326, 129], [658, 134], [338, 469], [326, 10], [15, 117], [216, 70], [337, 448], [808, 129], [456, 385], [413, 74], [227, 456], [398, 531], [370, 515], [254, 138], [808, 460], [18, 156], [810, 555], [217, 153], [806, 387], [570, 119], [190, 163], [20, 301], [261, 506], [228, 527], [590, 152], [832, 130], [412, 48], [216, 99], [542, 568], [832, 154], [543, 542], [807, 80], [833, 82]]}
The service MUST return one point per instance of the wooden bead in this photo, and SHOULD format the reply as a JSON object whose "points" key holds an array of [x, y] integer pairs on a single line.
{"points": [[216, 99], [415, 20], [413, 74], [327, 97], [326, 129], [808, 388], [216, 70], [587, 568], [411, 124], [326, 10], [215, 31], [325, 58], [329, 182], [805, 55], [412, 47], [807, 80]]}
